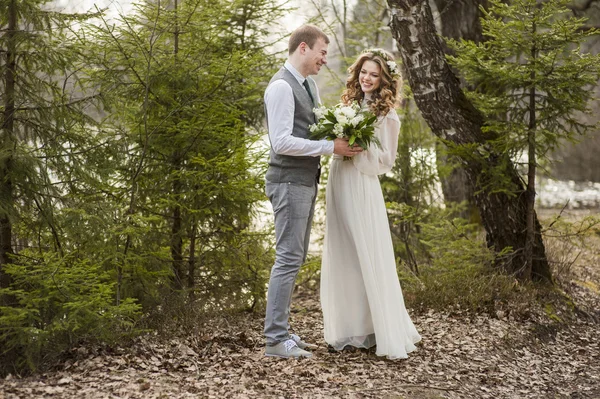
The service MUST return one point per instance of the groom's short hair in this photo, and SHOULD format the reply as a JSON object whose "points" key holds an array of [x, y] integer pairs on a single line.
{"points": [[308, 34]]}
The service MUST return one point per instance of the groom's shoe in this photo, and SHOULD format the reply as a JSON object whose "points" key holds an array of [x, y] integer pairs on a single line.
{"points": [[286, 349], [301, 344]]}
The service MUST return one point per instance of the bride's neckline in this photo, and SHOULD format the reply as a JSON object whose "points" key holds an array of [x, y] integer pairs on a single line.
{"points": [[366, 99]]}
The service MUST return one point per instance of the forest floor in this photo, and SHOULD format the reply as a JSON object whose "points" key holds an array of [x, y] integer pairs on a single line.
{"points": [[547, 354]]}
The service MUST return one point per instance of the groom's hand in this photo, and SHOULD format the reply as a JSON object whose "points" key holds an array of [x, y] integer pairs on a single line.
{"points": [[341, 147]]}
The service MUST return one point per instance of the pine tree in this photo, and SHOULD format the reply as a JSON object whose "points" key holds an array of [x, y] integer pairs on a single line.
{"points": [[54, 288], [532, 82], [43, 123], [182, 80]]}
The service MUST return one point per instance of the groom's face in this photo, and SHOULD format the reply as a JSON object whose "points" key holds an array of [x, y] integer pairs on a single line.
{"points": [[315, 57]]}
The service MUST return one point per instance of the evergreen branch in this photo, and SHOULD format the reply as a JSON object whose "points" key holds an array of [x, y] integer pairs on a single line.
{"points": [[63, 16], [54, 106], [587, 29], [51, 225], [129, 60], [73, 153]]}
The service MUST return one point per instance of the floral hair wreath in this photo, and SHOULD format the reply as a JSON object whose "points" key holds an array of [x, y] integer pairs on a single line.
{"points": [[392, 66]]}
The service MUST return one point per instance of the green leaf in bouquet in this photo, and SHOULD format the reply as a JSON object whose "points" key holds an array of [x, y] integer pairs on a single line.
{"points": [[370, 120], [330, 117], [368, 131]]}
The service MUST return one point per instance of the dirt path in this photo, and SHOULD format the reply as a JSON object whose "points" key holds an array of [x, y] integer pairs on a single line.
{"points": [[460, 357]]}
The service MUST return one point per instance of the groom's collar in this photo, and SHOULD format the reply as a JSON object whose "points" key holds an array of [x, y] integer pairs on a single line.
{"points": [[294, 72]]}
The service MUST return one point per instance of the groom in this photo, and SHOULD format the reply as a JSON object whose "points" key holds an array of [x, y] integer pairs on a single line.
{"points": [[292, 177]]}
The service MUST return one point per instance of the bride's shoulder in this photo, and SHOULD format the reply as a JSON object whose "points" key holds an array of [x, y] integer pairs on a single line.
{"points": [[392, 114]]}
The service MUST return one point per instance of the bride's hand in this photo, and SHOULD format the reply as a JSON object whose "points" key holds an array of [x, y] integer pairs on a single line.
{"points": [[341, 147]]}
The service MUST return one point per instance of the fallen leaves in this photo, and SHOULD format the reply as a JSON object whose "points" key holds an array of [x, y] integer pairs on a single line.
{"points": [[461, 356]]}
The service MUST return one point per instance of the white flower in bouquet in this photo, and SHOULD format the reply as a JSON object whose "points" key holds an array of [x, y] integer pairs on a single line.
{"points": [[320, 111], [338, 130], [357, 119], [341, 119]]}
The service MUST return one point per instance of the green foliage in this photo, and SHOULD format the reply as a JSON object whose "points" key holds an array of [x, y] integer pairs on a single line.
{"points": [[532, 51], [412, 183], [185, 94], [491, 180], [235, 276], [49, 299], [59, 302], [45, 138], [455, 271], [148, 197]]}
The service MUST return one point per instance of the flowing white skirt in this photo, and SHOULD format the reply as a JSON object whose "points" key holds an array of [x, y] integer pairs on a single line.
{"points": [[361, 297]]}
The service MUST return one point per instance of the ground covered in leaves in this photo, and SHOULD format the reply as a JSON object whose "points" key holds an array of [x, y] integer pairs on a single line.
{"points": [[461, 356]]}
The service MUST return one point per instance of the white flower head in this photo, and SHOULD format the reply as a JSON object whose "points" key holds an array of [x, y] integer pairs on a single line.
{"points": [[338, 130], [356, 120], [394, 70], [341, 115], [348, 111], [320, 111]]}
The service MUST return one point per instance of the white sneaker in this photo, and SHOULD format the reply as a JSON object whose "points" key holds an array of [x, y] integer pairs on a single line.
{"points": [[286, 349], [301, 344]]}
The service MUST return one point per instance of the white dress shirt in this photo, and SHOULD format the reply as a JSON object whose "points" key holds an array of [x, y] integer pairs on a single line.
{"points": [[279, 100]]}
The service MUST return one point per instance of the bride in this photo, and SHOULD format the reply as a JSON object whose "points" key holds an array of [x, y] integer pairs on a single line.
{"points": [[361, 297]]}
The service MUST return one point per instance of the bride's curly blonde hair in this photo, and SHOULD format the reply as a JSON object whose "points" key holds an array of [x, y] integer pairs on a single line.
{"points": [[387, 95]]}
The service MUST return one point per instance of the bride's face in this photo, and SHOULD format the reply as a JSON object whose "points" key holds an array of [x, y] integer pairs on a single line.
{"points": [[369, 76]]}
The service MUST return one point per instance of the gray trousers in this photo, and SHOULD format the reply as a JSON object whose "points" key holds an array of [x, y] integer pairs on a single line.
{"points": [[293, 208]]}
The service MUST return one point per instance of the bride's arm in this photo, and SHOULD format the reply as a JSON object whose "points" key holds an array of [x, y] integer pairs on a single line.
{"points": [[377, 161]]}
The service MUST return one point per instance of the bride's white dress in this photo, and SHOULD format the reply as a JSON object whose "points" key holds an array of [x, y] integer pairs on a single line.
{"points": [[361, 297]]}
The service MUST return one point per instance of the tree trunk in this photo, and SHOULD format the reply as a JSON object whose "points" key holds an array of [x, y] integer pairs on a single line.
{"points": [[7, 146], [176, 239], [458, 20], [176, 227], [192, 259], [455, 185], [452, 117], [531, 169]]}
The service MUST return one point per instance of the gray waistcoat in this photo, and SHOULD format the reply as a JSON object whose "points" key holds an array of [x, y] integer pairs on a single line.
{"points": [[295, 169]]}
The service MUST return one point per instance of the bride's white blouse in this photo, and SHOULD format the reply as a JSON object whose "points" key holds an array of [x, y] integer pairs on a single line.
{"points": [[377, 161]]}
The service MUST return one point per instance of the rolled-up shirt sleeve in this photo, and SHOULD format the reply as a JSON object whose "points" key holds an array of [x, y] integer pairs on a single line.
{"points": [[279, 101], [377, 161]]}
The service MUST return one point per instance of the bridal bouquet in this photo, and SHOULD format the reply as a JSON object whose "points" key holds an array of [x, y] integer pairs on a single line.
{"points": [[349, 121]]}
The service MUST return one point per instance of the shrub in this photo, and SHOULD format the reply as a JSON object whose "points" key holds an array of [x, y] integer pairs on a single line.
{"points": [[54, 303], [454, 265]]}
